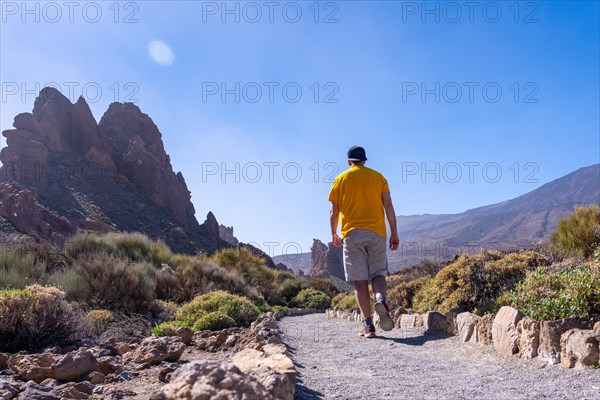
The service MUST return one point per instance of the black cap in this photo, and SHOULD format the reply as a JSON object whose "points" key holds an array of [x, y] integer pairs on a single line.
{"points": [[357, 153]]}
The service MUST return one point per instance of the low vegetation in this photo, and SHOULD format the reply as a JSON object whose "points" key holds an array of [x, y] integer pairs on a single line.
{"points": [[580, 232], [50, 296], [475, 281], [344, 301], [548, 296], [120, 274], [37, 316], [311, 298]]}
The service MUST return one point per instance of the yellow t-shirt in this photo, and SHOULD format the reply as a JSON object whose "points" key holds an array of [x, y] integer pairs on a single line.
{"points": [[357, 191]]}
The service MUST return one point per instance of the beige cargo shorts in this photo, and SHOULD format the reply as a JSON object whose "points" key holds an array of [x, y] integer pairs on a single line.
{"points": [[365, 255]]}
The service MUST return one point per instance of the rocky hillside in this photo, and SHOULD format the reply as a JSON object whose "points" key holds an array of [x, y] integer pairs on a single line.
{"points": [[63, 172]]}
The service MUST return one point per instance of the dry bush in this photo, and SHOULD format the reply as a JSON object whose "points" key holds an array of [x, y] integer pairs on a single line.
{"points": [[127, 328], [116, 284], [579, 232], [134, 247], [99, 321], [37, 316], [425, 268], [193, 276], [163, 311]]}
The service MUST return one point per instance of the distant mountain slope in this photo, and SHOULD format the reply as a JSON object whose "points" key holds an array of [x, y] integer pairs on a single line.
{"points": [[297, 262], [506, 225], [512, 223]]}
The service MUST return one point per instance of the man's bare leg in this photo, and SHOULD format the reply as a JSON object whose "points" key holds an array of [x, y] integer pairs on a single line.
{"points": [[379, 285], [363, 298]]}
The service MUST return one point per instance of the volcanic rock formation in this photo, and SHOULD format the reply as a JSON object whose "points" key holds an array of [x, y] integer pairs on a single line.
{"points": [[326, 260], [62, 172]]}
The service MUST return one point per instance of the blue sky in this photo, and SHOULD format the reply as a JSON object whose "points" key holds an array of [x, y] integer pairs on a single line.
{"points": [[494, 101]]}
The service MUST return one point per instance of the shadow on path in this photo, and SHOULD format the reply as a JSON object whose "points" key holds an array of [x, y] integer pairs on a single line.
{"points": [[304, 393], [417, 340]]}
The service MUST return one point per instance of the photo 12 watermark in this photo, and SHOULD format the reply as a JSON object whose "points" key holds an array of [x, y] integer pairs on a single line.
{"points": [[441, 251], [289, 251], [469, 92], [92, 92], [68, 171], [53, 12], [268, 172], [453, 12], [270, 92], [327, 331], [469, 172], [252, 12]]}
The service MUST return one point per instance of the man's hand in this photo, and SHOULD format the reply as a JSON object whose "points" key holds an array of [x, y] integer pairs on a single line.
{"points": [[337, 242], [394, 241]]}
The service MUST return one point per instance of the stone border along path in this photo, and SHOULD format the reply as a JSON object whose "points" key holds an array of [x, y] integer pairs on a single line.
{"points": [[333, 362]]}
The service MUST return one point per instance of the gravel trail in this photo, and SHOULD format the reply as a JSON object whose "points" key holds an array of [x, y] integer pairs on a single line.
{"points": [[333, 362]]}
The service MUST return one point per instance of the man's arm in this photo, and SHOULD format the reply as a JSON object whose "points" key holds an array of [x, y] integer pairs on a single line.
{"points": [[391, 217], [333, 220]]}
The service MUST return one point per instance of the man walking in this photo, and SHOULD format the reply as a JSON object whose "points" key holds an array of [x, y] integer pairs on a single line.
{"points": [[360, 195]]}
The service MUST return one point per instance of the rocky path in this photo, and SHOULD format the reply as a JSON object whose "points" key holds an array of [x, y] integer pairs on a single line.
{"points": [[334, 363]]}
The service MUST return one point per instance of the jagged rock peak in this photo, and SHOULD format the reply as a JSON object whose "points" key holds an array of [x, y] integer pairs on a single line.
{"points": [[226, 233], [125, 149], [326, 260]]}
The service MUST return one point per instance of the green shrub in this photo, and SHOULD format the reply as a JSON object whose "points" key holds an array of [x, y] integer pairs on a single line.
{"points": [[168, 328], [311, 298], [116, 284], [239, 308], [72, 283], [213, 321], [19, 267], [233, 257], [87, 243], [403, 293], [475, 282], [322, 285], [345, 301], [579, 232], [282, 276], [37, 316], [137, 247], [549, 296], [290, 288], [252, 269]]}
